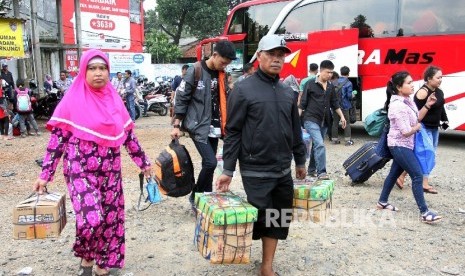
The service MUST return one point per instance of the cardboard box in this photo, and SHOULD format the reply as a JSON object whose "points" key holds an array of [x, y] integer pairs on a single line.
{"points": [[224, 228], [39, 217], [313, 210], [223, 244]]}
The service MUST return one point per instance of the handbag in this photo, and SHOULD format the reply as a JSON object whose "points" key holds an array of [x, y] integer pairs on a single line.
{"points": [[382, 149], [424, 151], [153, 193], [374, 123]]}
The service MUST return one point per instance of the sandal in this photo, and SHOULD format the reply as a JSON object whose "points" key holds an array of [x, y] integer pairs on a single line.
{"points": [[400, 183], [386, 206], [85, 270], [430, 217], [430, 190]]}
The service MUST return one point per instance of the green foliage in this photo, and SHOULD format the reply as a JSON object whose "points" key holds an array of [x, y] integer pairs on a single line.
{"points": [[162, 50], [150, 21], [200, 18]]}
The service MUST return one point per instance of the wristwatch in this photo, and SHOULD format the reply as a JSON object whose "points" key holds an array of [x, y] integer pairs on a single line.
{"points": [[176, 126]]}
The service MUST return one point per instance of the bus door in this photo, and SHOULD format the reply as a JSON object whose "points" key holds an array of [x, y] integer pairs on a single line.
{"points": [[339, 46]]}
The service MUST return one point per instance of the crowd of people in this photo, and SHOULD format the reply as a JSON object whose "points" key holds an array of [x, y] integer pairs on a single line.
{"points": [[264, 136]]}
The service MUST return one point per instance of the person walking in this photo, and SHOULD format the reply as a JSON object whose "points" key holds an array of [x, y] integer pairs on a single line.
{"points": [[344, 94], [433, 118], [263, 132], [405, 118], [90, 146], [130, 87], [201, 107], [317, 99]]}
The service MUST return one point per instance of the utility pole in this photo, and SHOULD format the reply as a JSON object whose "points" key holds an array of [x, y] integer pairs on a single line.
{"points": [[37, 58], [20, 62], [77, 24], [60, 34]]}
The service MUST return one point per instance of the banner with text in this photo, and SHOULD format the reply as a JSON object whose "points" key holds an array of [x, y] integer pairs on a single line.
{"points": [[11, 38], [105, 24]]}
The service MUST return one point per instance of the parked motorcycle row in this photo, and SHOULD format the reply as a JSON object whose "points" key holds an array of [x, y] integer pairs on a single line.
{"points": [[155, 95]]}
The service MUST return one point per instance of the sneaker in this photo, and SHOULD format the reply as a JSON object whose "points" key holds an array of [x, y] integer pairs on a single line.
{"points": [[312, 174], [349, 143], [23, 135], [323, 176], [38, 133]]}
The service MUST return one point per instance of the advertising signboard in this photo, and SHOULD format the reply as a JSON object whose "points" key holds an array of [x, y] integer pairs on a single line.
{"points": [[11, 38], [109, 25]]}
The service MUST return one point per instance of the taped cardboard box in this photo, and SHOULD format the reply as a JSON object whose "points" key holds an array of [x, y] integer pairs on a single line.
{"points": [[39, 217], [311, 210], [224, 227]]}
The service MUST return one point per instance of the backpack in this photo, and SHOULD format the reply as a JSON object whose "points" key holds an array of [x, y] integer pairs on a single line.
{"points": [[23, 101], [174, 171], [197, 75]]}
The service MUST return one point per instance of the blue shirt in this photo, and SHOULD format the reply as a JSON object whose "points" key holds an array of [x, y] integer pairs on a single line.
{"points": [[346, 93]]}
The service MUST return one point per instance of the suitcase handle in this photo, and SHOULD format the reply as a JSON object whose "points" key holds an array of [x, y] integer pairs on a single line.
{"points": [[362, 166]]}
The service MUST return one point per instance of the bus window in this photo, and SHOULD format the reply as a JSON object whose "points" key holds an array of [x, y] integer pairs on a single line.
{"points": [[237, 23], [432, 17], [260, 18], [302, 19], [373, 18]]}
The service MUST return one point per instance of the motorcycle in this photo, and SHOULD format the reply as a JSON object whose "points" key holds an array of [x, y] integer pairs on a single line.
{"points": [[44, 106], [158, 103]]}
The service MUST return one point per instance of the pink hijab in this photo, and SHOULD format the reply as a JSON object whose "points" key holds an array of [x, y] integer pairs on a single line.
{"points": [[96, 115]]}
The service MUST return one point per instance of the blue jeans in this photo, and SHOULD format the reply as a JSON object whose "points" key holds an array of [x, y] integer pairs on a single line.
{"points": [[404, 160], [317, 135], [131, 106], [205, 179]]}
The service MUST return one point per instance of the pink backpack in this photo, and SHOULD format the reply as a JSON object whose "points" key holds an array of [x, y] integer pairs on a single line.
{"points": [[23, 101]]}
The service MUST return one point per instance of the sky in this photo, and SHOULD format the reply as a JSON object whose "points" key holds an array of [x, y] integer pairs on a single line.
{"points": [[149, 4]]}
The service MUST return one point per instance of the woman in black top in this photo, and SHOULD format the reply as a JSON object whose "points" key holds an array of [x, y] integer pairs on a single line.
{"points": [[436, 114]]}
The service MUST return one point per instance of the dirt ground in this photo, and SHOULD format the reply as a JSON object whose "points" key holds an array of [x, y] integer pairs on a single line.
{"points": [[356, 239]]}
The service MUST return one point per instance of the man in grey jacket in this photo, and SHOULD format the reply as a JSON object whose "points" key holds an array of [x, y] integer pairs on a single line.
{"points": [[197, 106], [130, 87], [263, 132]]}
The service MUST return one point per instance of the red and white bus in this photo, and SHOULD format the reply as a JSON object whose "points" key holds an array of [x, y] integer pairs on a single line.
{"points": [[373, 38]]}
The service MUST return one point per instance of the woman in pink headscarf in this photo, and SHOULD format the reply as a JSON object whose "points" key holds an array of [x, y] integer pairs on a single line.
{"points": [[88, 128]]}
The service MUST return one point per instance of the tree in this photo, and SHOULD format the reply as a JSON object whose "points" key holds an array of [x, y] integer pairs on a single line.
{"points": [[365, 30], [200, 18], [162, 50], [233, 3], [150, 21]]}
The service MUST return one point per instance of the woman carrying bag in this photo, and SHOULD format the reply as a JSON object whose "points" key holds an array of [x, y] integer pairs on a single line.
{"points": [[433, 118], [404, 119]]}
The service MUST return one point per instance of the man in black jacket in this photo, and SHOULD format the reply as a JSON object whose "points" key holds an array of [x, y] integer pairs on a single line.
{"points": [[263, 132], [198, 106], [317, 99]]}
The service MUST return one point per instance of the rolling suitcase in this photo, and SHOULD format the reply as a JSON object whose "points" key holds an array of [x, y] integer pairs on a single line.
{"points": [[362, 164]]}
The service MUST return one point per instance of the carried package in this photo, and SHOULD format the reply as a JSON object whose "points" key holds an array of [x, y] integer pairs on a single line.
{"points": [[313, 201], [39, 216], [224, 226]]}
